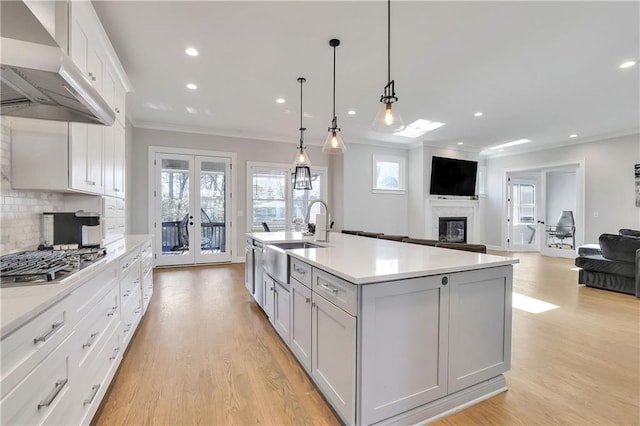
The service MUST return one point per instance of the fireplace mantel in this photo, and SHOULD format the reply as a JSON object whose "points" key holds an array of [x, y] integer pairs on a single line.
{"points": [[441, 207]]}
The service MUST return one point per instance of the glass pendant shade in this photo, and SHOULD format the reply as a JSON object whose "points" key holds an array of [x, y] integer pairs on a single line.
{"points": [[388, 120], [302, 159], [334, 143], [302, 178]]}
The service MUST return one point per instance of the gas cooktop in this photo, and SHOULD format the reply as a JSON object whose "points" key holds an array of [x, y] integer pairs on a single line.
{"points": [[44, 266]]}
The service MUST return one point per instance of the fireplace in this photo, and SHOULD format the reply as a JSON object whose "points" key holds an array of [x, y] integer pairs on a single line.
{"points": [[452, 229]]}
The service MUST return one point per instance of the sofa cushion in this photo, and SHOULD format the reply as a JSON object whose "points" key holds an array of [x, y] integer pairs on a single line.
{"points": [[629, 232], [619, 247], [599, 263]]}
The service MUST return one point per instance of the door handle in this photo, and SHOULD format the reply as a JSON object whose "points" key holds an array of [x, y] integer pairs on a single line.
{"points": [[190, 223]]}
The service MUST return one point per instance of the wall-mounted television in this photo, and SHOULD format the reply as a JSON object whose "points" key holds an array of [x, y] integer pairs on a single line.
{"points": [[450, 176]]}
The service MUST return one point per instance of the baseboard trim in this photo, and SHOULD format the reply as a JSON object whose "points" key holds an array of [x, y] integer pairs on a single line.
{"points": [[497, 248], [450, 404]]}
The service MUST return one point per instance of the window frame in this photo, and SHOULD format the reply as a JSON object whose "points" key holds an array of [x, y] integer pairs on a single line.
{"points": [[402, 173], [288, 169]]}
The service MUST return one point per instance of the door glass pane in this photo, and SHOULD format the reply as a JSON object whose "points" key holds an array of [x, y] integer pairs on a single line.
{"points": [[213, 209], [174, 192]]}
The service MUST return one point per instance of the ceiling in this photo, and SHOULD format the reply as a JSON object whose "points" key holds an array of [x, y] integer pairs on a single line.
{"points": [[536, 70]]}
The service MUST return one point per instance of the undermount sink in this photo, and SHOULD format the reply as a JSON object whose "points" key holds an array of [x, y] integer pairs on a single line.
{"points": [[296, 245], [275, 260]]}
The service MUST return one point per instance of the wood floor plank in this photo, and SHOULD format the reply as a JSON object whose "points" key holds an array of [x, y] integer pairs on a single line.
{"points": [[206, 354]]}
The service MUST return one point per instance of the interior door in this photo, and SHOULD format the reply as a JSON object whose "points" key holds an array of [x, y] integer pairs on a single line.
{"points": [[523, 214], [192, 205]]}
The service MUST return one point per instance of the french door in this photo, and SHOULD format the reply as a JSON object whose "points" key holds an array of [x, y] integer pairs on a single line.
{"points": [[192, 220], [523, 200]]}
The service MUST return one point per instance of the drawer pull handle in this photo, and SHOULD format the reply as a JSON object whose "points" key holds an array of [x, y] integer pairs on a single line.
{"points": [[94, 392], [54, 327], [54, 393], [300, 270], [136, 257], [137, 281], [125, 266], [128, 328], [113, 311], [307, 300], [126, 293], [329, 288], [115, 354], [137, 311], [91, 339]]}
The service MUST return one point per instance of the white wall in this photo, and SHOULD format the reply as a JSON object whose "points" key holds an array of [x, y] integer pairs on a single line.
{"points": [[246, 149], [609, 186], [416, 193], [560, 194], [364, 210]]}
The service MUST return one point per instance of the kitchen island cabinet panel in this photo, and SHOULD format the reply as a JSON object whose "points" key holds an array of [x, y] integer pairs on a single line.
{"points": [[281, 314], [480, 326], [301, 323], [404, 347], [333, 356]]}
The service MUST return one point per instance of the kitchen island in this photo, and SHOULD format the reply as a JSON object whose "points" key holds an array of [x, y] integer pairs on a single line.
{"points": [[392, 332]]}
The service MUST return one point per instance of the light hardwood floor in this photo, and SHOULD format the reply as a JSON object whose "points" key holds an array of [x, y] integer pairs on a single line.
{"points": [[205, 354]]}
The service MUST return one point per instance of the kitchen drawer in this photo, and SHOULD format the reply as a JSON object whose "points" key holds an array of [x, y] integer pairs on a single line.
{"points": [[87, 295], [146, 251], [42, 393], [128, 284], [147, 291], [131, 313], [300, 271], [26, 347], [120, 207], [110, 207], [129, 261], [93, 329], [93, 384], [147, 266], [336, 290]]}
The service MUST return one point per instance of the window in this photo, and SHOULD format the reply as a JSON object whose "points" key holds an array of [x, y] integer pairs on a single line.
{"points": [[272, 199], [524, 203], [388, 174]]}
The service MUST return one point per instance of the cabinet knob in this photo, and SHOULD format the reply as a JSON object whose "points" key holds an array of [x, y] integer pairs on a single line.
{"points": [[445, 280], [117, 110]]}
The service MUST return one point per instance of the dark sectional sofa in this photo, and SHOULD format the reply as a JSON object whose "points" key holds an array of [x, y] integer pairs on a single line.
{"points": [[617, 268]]}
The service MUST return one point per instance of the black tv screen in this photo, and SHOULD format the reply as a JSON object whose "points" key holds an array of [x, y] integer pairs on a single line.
{"points": [[453, 177]]}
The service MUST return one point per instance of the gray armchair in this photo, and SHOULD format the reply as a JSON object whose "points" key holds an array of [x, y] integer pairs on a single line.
{"points": [[563, 229]]}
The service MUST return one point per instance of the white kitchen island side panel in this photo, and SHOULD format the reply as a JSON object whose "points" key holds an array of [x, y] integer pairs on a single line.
{"points": [[404, 346], [479, 326]]}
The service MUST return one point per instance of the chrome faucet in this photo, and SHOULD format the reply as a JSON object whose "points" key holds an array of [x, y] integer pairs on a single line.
{"points": [[328, 220]]}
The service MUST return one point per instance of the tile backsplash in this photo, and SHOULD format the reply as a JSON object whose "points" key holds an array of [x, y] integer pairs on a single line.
{"points": [[20, 210]]}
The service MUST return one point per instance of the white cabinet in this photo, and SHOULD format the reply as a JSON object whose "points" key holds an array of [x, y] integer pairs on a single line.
{"points": [[479, 326], [300, 300], [281, 318], [130, 295], [333, 355], [113, 219], [86, 155], [114, 161], [119, 105], [413, 370], [146, 259], [268, 291]]}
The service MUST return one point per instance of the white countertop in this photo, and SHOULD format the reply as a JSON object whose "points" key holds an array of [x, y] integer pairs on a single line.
{"points": [[20, 304], [363, 260]]}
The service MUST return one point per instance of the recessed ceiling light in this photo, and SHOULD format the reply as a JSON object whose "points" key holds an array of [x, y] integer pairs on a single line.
{"points": [[573, 136], [191, 110], [460, 143], [191, 51], [512, 143], [477, 114], [501, 149], [418, 128], [627, 64], [351, 112], [192, 86], [280, 100]]}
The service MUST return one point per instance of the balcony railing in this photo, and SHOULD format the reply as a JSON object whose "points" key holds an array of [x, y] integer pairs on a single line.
{"points": [[175, 236]]}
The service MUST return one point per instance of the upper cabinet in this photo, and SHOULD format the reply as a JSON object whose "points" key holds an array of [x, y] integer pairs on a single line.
{"points": [[82, 157]]}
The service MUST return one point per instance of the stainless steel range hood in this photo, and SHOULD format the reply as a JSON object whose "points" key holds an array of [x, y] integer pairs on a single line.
{"points": [[39, 80]]}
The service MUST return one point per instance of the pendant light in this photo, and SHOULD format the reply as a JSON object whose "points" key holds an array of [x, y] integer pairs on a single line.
{"points": [[388, 120], [302, 174], [334, 143]]}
